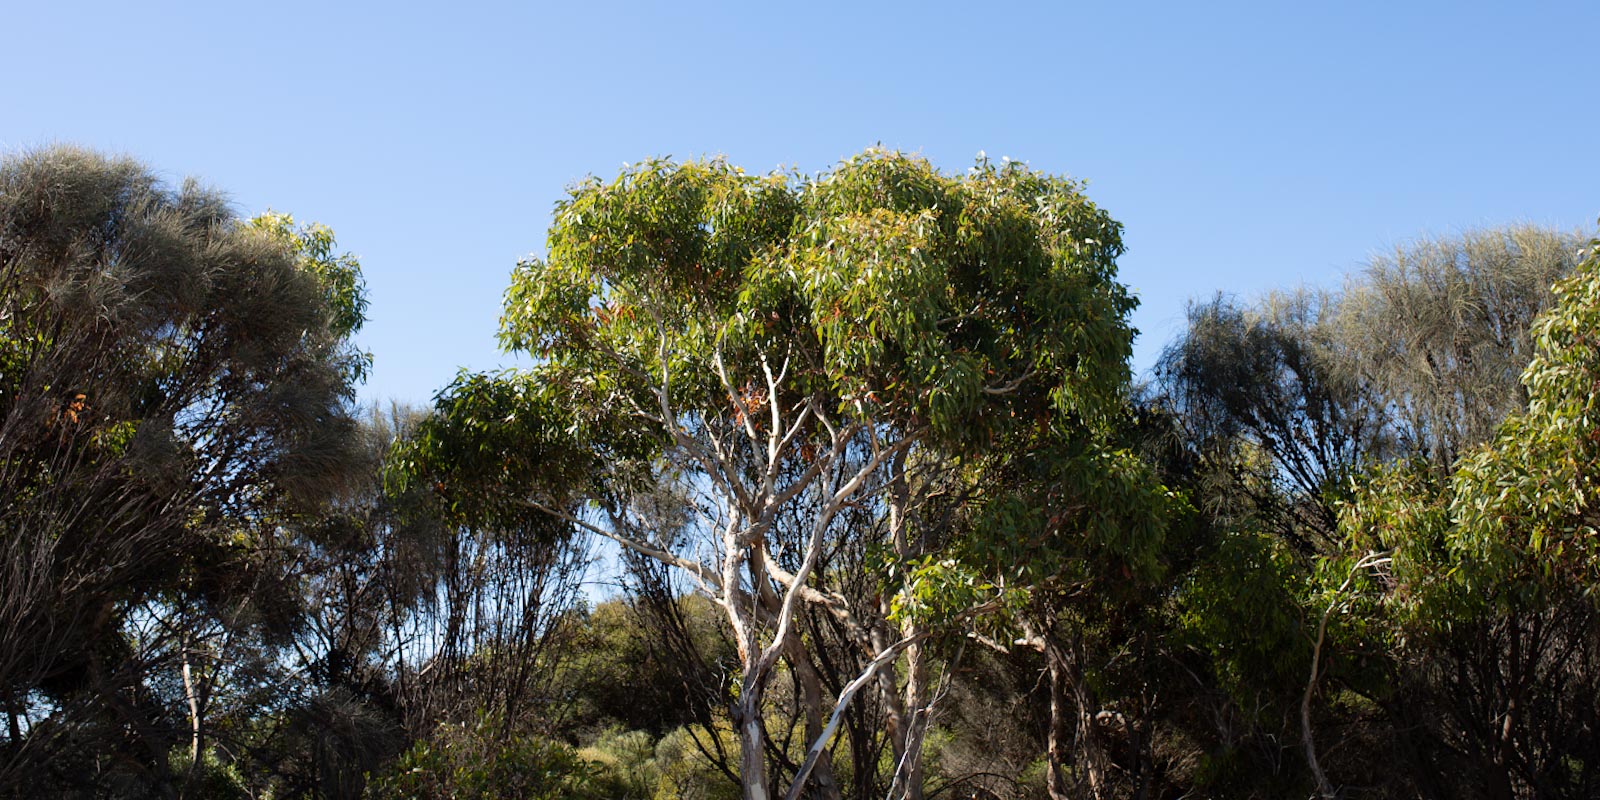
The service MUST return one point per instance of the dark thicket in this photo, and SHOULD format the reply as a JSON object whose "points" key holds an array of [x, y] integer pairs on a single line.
{"points": [[171, 386]]}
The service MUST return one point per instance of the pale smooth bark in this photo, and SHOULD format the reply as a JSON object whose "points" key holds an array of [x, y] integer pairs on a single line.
{"points": [[192, 694], [747, 456], [1324, 787]]}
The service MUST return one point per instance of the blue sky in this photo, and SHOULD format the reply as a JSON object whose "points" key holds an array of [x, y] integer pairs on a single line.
{"points": [[1244, 146]]}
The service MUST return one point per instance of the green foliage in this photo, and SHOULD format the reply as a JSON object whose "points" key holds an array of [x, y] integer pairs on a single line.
{"points": [[936, 589], [617, 671], [1516, 513], [1240, 606], [493, 435], [1417, 357], [1062, 511], [1405, 509], [1235, 771], [484, 761], [893, 286], [339, 274], [628, 760], [686, 774], [212, 777], [1360, 430], [1524, 504], [1489, 609]]}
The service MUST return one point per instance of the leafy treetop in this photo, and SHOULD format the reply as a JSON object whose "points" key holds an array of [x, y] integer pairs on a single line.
{"points": [[904, 295]]}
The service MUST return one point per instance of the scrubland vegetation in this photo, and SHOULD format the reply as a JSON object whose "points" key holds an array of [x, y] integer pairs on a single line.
{"points": [[891, 515]]}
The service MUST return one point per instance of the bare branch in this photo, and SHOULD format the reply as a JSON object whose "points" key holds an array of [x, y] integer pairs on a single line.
{"points": [[1324, 788], [700, 572], [883, 658]]}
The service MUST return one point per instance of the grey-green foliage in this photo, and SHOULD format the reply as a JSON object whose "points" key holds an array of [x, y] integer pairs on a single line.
{"points": [[1439, 329], [486, 759], [172, 379], [1418, 355]]}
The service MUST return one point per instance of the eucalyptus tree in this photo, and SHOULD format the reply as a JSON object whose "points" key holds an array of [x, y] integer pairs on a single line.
{"points": [[1487, 598], [1290, 403], [171, 379], [783, 351]]}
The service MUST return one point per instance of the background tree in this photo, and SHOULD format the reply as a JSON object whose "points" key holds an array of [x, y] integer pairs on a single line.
{"points": [[1420, 354], [1440, 330], [1490, 601], [1274, 411], [172, 380], [1286, 407]]}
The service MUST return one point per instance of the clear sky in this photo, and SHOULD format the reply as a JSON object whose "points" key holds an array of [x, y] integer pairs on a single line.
{"points": [[1244, 146]]}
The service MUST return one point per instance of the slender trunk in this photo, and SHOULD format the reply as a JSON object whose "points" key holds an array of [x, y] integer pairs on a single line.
{"points": [[907, 744], [194, 709], [1091, 750], [740, 607], [1324, 786], [752, 743], [822, 785], [1056, 773], [1505, 753], [863, 755], [894, 716], [13, 725], [192, 695], [909, 773], [1072, 718], [1142, 758]]}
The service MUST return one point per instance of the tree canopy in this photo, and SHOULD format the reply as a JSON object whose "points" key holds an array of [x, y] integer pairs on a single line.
{"points": [[782, 351], [172, 380]]}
